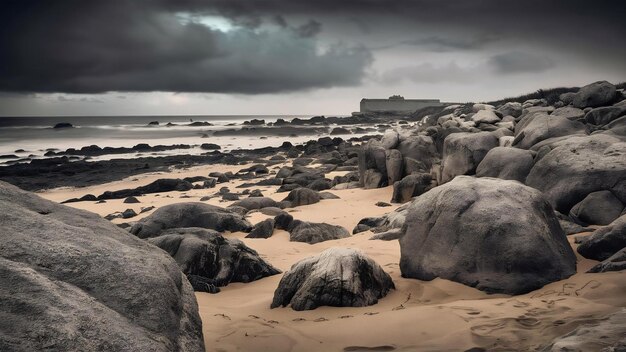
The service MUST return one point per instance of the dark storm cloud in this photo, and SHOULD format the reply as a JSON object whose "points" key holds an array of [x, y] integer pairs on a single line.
{"points": [[122, 45], [518, 62], [99, 46]]}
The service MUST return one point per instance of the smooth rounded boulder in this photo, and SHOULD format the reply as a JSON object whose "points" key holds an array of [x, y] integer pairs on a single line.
{"points": [[496, 235], [72, 281], [337, 277], [191, 214], [506, 163], [462, 152], [598, 208], [605, 241]]}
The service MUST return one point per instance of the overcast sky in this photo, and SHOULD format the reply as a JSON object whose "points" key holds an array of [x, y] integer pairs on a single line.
{"points": [[156, 57]]}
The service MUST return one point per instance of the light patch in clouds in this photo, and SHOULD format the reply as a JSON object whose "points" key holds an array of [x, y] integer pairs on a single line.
{"points": [[520, 62]]}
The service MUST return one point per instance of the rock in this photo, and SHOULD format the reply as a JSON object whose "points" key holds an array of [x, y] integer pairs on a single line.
{"points": [[319, 185], [595, 94], [339, 130], [210, 183], [284, 172], [411, 186], [63, 125], [202, 284], [283, 221], [312, 232], [158, 186], [382, 204], [569, 112], [208, 254], [210, 146], [420, 148], [255, 193], [263, 229], [511, 108], [604, 115], [372, 163], [607, 335], [128, 213], [394, 166], [251, 203], [192, 214], [131, 200], [520, 249], [462, 152], [598, 208], [389, 235], [328, 195], [485, 116], [146, 209], [221, 177], [337, 277], [271, 211], [390, 139], [482, 107], [230, 196], [302, 196], [605, 241], [86, 197], [542, 126], [72, 281], [616, 262], [506, 163], [577, 166], [257, 169]]}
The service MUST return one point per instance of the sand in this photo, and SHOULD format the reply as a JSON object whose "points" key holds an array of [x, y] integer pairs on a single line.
{"points": [[438, 315]]}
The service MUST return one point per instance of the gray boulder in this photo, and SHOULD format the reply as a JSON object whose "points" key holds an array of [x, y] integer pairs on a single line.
{"points": [[594, 94], [420, 148], [251, 203], [302, 196], [372, 157], [411, 186], [569, 112], [390, 139], [511, 108], [394, 166], [373, 179], [598, 208], [485, 116], [543, 126], [604, 115], [605, 241], [577, 166], [496, 235], [337, 277], [312, 232], [389, 235], [72, 281], [263, 229], [208, 254], [191, 214], [616, 262], [462, 152], [605, 335], [506, 163]]}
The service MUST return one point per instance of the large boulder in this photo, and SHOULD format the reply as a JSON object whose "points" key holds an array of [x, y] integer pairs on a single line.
{"points": [[158, 186], [411, 186], [598, 208], [313, 232], [263, 229], [394, 165], [543, 126], [594, 95], [496, 235], [462, 152], [511, 108], [506, 163], [338, 277], [252, 203], [208, 254], [577, 166], [72, 281], [372, 156], [191, 214], [390, 139], [421, 149], [301, 196], [569, 112], [605, 241], [604, 115], [485, 116]]}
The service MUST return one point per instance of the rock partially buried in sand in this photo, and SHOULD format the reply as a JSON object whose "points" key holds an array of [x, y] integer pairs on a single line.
{"points": [[315, 232], [498, 236], [608, 334], [263, 229], [338, 277], [208, 254], [76, 282], [301, 196], [605, 241], [191, 214]]}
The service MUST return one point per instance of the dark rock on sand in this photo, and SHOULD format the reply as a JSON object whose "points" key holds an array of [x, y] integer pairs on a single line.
{"points": [[251, 203], [498, 236], [594, 94], [312, 232], [411, 186], [128, 213], [263, 229], [283, 221], [338, 277], [616, 262], [208, 254], [158, 186], [79, 283], [220, 176], [605, 241], [131, 200], [388, 235], [301, 196], [598, 208], [63, 125], [192, 214]]}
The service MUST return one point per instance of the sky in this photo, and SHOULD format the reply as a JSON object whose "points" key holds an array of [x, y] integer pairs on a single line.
{"points": [[299, 57]]}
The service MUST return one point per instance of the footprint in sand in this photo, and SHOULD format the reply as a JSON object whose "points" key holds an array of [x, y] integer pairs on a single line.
{"points": [[222, 315], [370, 313], [320, 320], [366, 349], [253, 316], [345, 316], [299, 319]]}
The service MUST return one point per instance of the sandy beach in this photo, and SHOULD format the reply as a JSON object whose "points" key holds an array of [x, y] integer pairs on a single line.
{"points": [[437, 315]]}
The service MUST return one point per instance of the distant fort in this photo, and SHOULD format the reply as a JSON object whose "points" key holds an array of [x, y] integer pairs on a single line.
{"points": [[396, 103]]}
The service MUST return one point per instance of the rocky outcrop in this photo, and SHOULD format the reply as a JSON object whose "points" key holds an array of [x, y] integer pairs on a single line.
{"points": [[594, 95], [206, 253], [77, 282], [496, 235], [605, 241], [541, 126], [191, 214], [337, 277]]}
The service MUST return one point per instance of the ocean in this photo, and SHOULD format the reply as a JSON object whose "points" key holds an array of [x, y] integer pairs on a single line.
{"points": [[24, 138]]}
